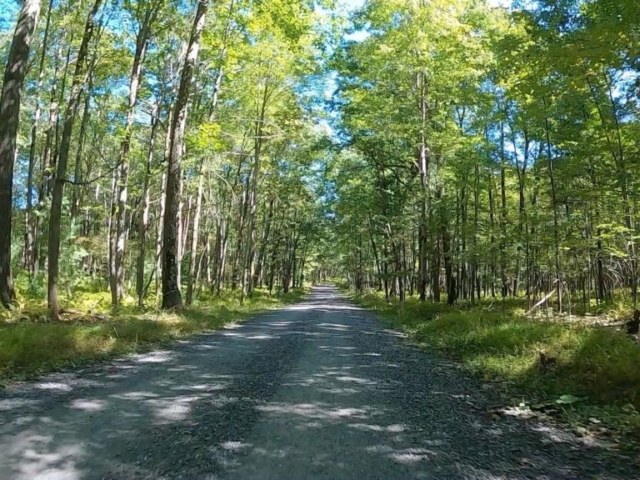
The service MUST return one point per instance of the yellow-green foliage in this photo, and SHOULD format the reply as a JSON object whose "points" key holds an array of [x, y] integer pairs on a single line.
{"points": [[31, 345]]}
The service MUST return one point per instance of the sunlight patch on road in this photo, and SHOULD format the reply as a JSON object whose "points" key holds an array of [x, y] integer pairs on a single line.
{"points": [[160, 356], [396, 428], [278, 453], [88, 405], [204, 387], [315, 306], [330, 347], [334, 326], [140, 395], [406, 456], [61, 387], [15, 403], [315, 411], [339, 391], [359, 381], [280, 324], [38, 458], [174, 409], [234, 446]]}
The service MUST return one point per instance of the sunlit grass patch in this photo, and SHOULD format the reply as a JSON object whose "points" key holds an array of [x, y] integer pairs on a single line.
{"points": [[601, 364]]}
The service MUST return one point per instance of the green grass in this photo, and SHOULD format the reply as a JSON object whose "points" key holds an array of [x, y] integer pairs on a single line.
{"points": [[31, 345], [600, 365]]}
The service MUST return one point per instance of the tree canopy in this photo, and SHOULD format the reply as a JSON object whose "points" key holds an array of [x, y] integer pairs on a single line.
{"points": [[449, 149]]}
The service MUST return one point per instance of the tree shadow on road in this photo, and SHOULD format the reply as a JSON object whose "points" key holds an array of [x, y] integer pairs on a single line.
{"points": [[315, 391]]}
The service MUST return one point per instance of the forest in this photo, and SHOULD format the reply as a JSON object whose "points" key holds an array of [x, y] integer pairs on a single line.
{"points": [[128, 179], [435, 157]]}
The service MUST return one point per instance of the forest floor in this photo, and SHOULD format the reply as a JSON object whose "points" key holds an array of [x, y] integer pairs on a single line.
{"points": [[88, 330], [317, 390], [580, 371]]}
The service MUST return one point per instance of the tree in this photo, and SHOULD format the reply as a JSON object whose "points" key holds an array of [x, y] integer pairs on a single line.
{"points": [[146, 14], [10, 102], [171, 297], [71, 112]]}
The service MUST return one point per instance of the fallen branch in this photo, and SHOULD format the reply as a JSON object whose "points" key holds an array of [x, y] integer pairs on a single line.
{"points": [[547, 297]]}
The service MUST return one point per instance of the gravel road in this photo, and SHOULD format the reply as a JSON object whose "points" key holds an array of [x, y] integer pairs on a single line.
{"points": [[319, 390]]}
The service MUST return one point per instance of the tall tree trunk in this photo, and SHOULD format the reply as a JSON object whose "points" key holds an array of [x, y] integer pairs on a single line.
{"points": [[30, 221], [144, 223], [48, 156], [183, 228], [554, 205], [503, 216], [111, 226], [476, 219], [247, 284], [121, 232], [257, 274], [161, 213], [616, 147], [10, 102], [171, 297], [55, 218], [222, 254], [376, 257], [195, 234], [492, 222], [424, 183], [77, 176]]}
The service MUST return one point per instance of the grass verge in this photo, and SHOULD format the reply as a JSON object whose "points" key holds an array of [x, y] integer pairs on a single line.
{"points": [[30, 345], [597, 369]]}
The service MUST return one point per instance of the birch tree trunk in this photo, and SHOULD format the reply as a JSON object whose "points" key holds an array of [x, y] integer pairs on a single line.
{"points": [[195, 234], [117, 282]]}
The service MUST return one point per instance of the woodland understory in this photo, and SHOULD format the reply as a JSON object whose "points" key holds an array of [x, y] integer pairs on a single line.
{"points": [[468, 167]]}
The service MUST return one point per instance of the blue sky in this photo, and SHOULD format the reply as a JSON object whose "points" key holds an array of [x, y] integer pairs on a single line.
{"points": [[8, 12]]}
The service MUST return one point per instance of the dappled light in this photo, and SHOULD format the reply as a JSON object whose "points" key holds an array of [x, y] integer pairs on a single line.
{"points": [[262, 394], [319, 239], [88, 405]]}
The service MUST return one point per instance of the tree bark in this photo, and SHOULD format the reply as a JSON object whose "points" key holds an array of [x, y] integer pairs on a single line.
{"points": [[554, 205], [55, 217], [195, 234], [117, 283], [424, 183], [171, 297], [247, 284], [77, 176], [10, 102], [263, 247], [30, 222], [144, 222]]}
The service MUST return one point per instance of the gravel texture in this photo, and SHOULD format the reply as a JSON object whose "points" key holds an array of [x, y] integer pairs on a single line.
{"points": [[319, 390]]}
